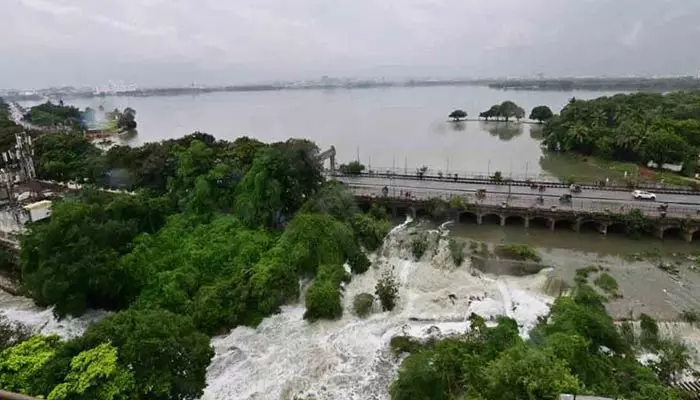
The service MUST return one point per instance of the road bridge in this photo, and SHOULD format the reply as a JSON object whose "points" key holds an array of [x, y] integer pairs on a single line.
{"points": [[600, 214]]}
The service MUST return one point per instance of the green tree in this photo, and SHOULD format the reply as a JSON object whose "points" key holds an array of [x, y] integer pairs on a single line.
{"points": [[387, 290], [508, 110], [526, 373], [456, 115], [541, 114], [352, 168], [166, 354], [95, 374], [665, 147], [21, 365], [67, 157]]}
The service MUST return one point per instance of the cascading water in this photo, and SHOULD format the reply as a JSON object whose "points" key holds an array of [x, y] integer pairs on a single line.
{"points": [[286, 357], [42, 320]]}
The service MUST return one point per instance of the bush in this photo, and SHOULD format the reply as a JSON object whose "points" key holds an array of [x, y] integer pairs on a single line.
{"points": [[521, 252], [606, 282], [497, 176], [323, 301], [404, 344], [650, 331], [582, 274], [387, 289], [690, 316], [362, 304], [419, 245], [369, 231], [637, 224], [359, 263], [457, 251]]}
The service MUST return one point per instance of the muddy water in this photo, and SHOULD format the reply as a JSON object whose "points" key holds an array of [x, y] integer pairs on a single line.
{"points": [[645, 287]]}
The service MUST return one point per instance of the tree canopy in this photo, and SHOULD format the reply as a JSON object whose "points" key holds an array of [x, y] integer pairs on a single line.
{"points": [[541, 113], [638, 127], [506, 110], [456, 115]]}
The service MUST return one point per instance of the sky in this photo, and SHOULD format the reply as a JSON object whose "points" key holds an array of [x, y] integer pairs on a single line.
{"points": [[177, 42]]}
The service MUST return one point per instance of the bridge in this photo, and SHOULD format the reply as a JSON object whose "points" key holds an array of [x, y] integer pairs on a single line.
{"points": [[593, 209]]}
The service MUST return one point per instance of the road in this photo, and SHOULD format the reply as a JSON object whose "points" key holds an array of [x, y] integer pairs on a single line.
{"points": [[589, 200]]}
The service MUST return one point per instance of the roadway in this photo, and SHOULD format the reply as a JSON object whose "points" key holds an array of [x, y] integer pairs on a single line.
{"points": [[588, 200]]}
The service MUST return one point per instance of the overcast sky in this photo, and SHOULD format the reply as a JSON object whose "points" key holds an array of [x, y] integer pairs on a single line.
{"points": [[176, 42]]}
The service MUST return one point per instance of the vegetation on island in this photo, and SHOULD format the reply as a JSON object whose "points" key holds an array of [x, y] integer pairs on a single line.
{"points": [[214, 235], [504, 111], [456, 115], [541, 114], [60, 116], [639, 127], [351, 168], [575, 349]]}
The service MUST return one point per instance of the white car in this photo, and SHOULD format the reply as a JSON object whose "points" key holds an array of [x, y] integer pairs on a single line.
{"points": [[643, 195]]}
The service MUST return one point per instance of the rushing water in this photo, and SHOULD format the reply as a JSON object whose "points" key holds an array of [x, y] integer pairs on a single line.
{"points": [[286, 356], [386, 126]]}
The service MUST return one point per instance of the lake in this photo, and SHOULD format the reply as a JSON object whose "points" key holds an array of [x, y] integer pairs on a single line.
{"points": [[400, 126]]}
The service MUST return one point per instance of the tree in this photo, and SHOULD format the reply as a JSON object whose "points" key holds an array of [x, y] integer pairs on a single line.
{"points": [[456, 115], [166, 354], [508, 110], [493, 112], [526, 373], [21, 365], [387, 290], [541, 114], [67, 157], [96, 374], [664, 147], [351, 168], [323, 298], [127, 119], [519, 113], [72, 260]]}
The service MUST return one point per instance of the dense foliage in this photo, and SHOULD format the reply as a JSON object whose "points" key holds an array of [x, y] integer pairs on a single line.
{"points": [[505, 111], [639, 127], [55, 115], [8, 128], [216, 235], [576, 349]]}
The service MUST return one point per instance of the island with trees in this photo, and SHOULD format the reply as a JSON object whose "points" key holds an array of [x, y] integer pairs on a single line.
{"points": [[504, 111]]}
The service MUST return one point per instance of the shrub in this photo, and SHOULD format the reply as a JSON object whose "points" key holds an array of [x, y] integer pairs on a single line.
{"points": [[359, 263], [369, 231], [636, 224], [521, 252], [582, 274], [387, 289], [419, 245], [690, 316], [497, 176], [650, 331], [457, 251], [323, 301], [404, 344], [362, 304], [606, 282]]}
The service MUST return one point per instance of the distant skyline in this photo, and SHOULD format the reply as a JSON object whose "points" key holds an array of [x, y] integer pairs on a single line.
{"points": [[212, 42]]}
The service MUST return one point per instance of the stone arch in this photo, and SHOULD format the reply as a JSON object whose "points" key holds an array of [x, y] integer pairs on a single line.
{"points": [[616, 228], [589, 225], [540, 223], [515, 220], [468, 217], [564, 224], [491, 218], [673, 233]]}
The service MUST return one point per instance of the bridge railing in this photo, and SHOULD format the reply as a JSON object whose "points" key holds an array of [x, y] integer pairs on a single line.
{"points": [[518, 180], [530, 201]]}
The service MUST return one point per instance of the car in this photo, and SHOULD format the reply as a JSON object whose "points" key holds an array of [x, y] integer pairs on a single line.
{"points": [[643, 195]]}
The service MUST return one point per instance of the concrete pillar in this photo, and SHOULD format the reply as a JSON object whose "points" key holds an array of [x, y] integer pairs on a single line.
{"points": [[577, 225], [479, 220], [688, 234], [552, 224], [413, 212], [503, 219], [526, 222]]}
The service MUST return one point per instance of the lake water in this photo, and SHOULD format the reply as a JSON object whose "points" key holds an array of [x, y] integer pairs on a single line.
{"points": [[402, 127]]}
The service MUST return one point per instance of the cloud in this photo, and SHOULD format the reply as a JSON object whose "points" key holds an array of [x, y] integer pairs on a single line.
{"points": [[157, 41]]}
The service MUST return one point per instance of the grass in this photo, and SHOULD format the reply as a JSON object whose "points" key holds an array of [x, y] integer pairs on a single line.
{"points": [[588, 169], [520, 252], [609, 285]]}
